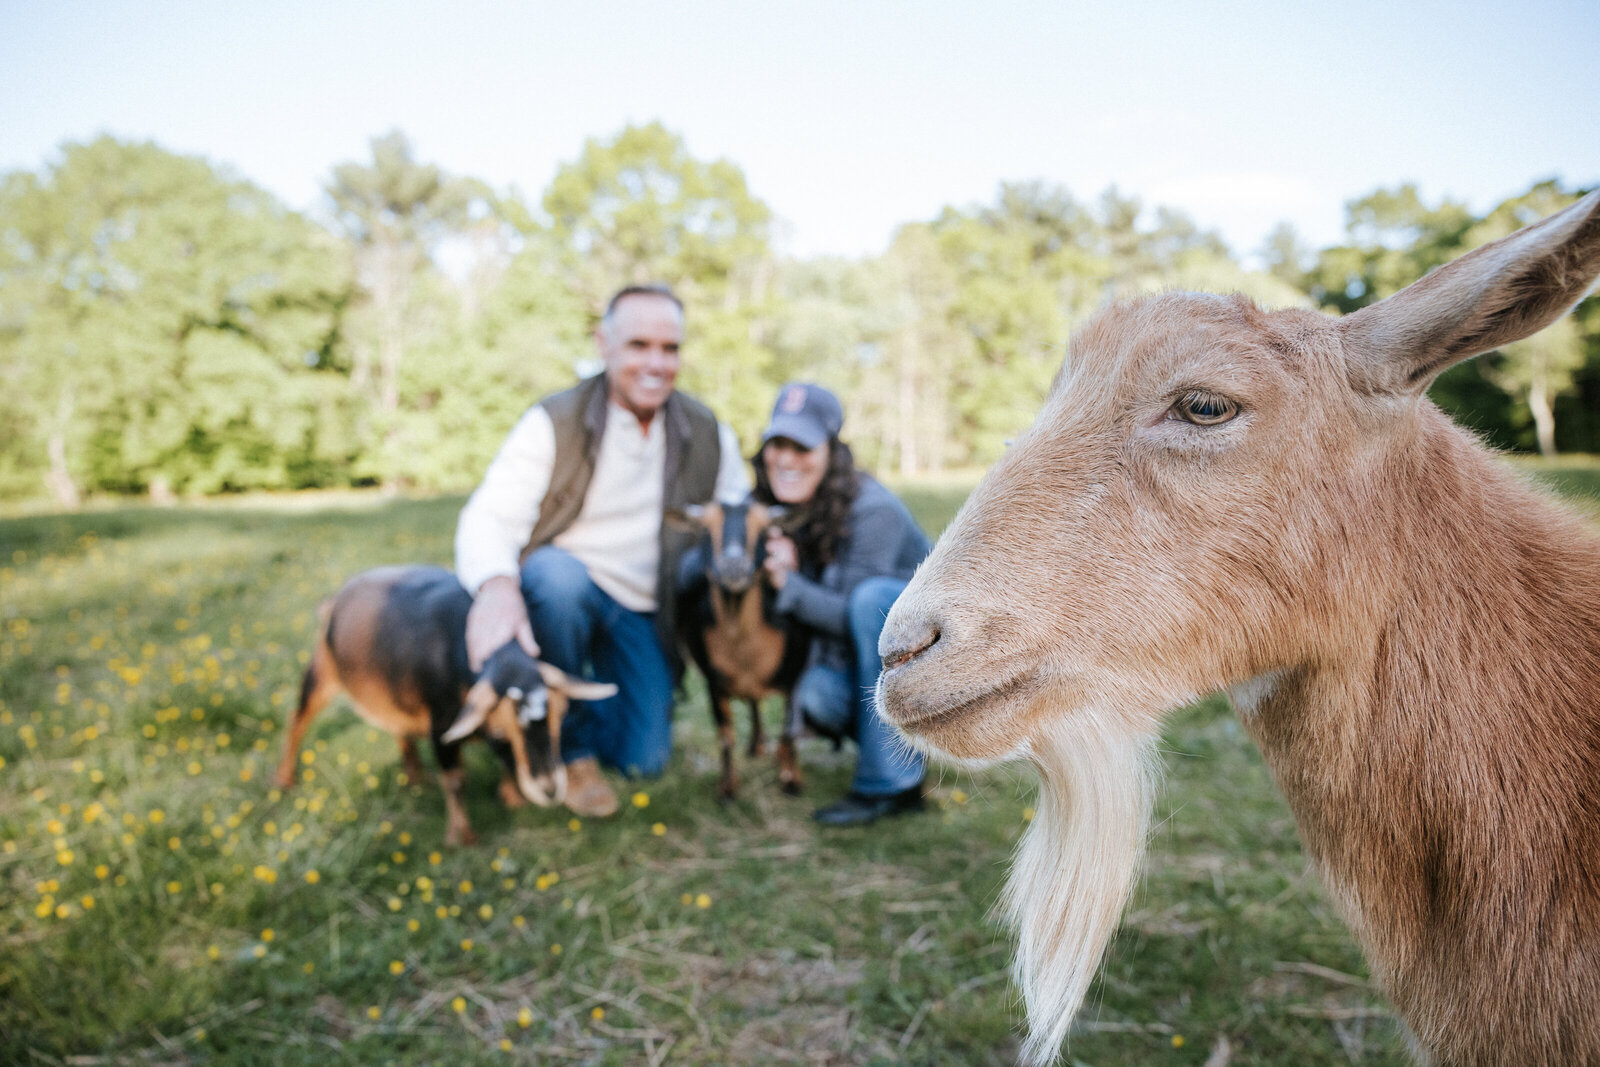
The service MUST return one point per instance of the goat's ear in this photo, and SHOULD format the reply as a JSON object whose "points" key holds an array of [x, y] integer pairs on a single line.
{"points": [[690, 515], [785, 519], [577, 688], [481, 699], [1491, 296]]}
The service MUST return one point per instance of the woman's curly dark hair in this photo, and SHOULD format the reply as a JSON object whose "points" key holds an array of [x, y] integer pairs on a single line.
{"points": [[817, 527]]}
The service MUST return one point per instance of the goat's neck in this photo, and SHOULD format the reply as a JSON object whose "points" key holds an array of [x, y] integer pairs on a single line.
{"points": [[1479, 613], [1451, 739], [740, 613]]}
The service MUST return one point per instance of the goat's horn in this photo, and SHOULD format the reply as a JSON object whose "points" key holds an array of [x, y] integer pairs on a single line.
{"points": [[578, 688], [481, 699]]}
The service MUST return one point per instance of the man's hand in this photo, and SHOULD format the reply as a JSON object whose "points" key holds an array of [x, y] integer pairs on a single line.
{"points": [[498, 615], [782, 558]]}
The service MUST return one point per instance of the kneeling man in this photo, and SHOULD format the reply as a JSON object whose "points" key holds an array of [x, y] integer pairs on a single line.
{"points": [[564, 546]]}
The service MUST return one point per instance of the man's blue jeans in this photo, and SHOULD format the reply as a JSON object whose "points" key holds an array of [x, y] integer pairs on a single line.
{"points": [[582, 630], [843, 702]]}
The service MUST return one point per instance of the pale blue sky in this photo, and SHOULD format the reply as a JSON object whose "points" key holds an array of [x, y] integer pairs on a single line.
{"points": [[848, 118]]}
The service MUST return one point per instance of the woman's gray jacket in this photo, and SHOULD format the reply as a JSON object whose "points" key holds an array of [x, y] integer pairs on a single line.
{"points": [[883, 540]]}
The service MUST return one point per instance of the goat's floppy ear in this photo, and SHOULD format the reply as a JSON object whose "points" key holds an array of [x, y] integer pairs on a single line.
{"points": [[784, 518], [1491, 296], [691, 515], [481, 699], [577, 688]]}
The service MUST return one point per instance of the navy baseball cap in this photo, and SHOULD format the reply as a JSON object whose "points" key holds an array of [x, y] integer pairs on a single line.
{"points": [[806, 414]]}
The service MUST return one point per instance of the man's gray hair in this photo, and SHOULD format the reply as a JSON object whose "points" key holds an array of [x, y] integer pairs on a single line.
{"points": [[650, 289]]}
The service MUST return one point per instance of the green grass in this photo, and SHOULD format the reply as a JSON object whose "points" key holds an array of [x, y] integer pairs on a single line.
{"points": [[147, 661]]}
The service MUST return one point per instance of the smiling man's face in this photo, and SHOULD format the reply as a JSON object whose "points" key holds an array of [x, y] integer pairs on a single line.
{"points": [[639, 343]]}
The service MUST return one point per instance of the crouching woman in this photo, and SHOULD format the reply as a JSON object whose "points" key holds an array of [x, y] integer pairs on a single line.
{"points": [[853, 548]]}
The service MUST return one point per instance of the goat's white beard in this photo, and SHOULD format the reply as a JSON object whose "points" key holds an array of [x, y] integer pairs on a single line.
{"points": [[1077, 863]]}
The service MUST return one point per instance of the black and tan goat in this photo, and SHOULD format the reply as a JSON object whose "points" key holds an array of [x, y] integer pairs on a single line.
{"points": [[394, 640], [730, 630]]}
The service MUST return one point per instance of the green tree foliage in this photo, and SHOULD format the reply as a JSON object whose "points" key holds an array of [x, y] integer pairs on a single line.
{"points": [[971, 310], [466, 381], [1510, 396], [1394, 239], [397, 212], [1534, 371], [166, 327], [162, 326], [640, 208]]}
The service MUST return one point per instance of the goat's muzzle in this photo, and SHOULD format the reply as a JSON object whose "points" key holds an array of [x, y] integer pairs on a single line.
{"points": [[545, 790], [905, 636], [733, 574]]}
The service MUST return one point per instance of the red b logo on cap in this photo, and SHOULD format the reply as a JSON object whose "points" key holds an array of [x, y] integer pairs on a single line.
{"points": [[793, 400]]}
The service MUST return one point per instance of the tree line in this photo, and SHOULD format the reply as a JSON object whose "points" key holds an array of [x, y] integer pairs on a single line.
{"points": [[167, 327]]}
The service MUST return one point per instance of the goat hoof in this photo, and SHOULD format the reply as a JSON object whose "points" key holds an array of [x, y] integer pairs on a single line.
{"points": [[284, 780], [456, 839], [793, 789]]}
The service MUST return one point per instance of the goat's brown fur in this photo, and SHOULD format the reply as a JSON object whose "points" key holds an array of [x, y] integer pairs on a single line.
{"points": [[742, 654], [394, 709], [392, 632], [1410, 634]]}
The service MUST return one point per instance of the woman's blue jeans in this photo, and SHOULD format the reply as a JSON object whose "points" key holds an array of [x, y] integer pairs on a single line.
{"points": [[582, 630], [843, 702]]}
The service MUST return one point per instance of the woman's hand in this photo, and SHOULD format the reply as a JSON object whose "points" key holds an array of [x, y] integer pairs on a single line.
{"points": [[782, 558]]}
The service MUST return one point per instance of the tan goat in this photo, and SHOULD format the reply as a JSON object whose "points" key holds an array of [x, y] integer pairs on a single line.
{"points": [[1216, 497]]}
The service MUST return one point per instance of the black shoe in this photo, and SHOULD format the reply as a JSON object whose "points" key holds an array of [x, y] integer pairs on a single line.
{"points": [[858, 810]]}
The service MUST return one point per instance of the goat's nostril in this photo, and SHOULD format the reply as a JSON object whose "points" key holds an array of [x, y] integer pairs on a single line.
{"points": [[909, 648]]}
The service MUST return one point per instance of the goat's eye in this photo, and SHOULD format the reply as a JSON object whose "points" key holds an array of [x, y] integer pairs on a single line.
{"points": [[1204, 409]]}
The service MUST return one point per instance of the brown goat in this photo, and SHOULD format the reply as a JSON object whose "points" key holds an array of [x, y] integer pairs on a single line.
{"points": [[1215, 497], [394, 639], [730, 632]]}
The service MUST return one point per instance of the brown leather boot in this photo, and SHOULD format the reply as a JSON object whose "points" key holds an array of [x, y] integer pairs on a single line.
{"points": [[587, 791]]}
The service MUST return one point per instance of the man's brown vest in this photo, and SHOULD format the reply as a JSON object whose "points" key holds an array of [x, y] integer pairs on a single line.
{"points": [[694, 455]]}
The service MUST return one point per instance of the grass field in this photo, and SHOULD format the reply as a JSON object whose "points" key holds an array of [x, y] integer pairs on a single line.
{"points": [[161, 903]]}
